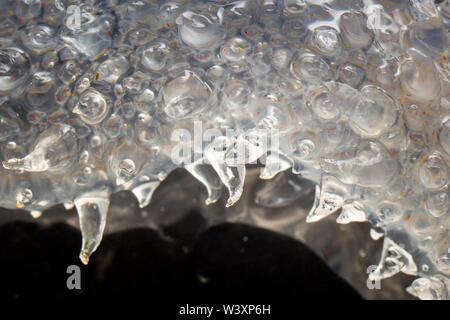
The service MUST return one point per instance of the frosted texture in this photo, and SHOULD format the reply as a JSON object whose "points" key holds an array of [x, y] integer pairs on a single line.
{"points": [[102, 96]]}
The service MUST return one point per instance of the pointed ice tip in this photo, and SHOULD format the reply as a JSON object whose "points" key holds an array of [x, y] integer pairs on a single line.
{"points": [[144, 192], [265, 175], [68, 205], [84, 257], [35, 213], [92, 208], [312, 216]]}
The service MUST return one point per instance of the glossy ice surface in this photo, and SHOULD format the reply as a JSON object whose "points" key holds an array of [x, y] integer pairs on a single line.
{"points": [[351, 95]]}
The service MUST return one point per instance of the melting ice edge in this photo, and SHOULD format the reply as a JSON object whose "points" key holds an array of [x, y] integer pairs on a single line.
{"points": [[352, 95]]}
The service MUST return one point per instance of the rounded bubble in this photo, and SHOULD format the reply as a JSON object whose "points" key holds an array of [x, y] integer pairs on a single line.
{"points": [[148, 130], [295, 29], [199, 30], [323, 104], [433, 172], [437, 203], [236, 94], [92, 107], [419, 79], [309, 67], [140, 36], [154, 57], [326, 41], [376, 112], [304, 145], [235, 49], [27, 9], [354, 30], [271, 115], [185, 96], [294, 7], [39, 39], [68, 72], [14, 68], [351, 74]]}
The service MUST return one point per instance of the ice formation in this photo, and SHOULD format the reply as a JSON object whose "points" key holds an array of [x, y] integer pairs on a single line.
{"points": [[353, 95]]}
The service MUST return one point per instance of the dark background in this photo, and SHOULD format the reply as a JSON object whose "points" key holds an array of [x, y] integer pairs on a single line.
{"points": [[215, 266]]}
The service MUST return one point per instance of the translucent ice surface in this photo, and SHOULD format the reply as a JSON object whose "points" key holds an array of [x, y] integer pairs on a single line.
{"points": [[352, 97]]}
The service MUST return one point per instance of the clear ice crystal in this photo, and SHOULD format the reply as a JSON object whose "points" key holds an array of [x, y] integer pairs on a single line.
{"points": [[350, 98]]}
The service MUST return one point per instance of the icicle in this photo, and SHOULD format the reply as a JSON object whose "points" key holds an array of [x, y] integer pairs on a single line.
{"points": [[428, 288], [92, 208], [393, 260], [311, 217], [375, 235], [219, 155], [144, 192], [275, 163], [352, 212], [68, 205], [206, 175], [331, 198], [233, 178]]}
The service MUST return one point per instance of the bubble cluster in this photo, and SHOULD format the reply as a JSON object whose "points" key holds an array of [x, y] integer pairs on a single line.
{"points": [[99, 96]]}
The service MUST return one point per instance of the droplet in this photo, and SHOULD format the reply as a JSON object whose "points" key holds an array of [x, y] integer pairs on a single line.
{"points": [[437, 203], [39, 39], [236, 94], [112, 69], [293, 7], [351, 74], [309, 67], [433, 172], [354, 30], [324, 104], [235, 49], [419, 79], [185, 96], [376, 112], [91, 107], [154, 56], [326, 41], [68, 72], [199, 30], [14, 68]]}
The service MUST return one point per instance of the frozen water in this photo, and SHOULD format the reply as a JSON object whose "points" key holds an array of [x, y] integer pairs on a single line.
{"points": [[96, 97]]}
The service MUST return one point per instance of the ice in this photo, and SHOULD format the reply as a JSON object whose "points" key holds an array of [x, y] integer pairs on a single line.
{"points": [[349, 99]]}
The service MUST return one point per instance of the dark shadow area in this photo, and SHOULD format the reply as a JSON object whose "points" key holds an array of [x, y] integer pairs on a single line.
{"points": [[230, 263]]}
